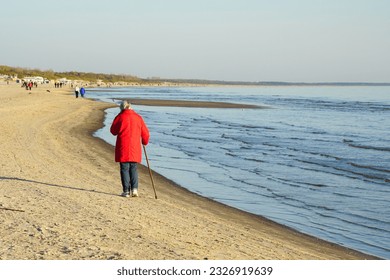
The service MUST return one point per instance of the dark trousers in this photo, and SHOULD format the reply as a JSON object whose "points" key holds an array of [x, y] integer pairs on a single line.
{"points": [[129, 176]]}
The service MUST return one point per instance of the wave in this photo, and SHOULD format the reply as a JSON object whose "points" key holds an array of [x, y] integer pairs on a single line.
{"points": [[370, 167], [367, 147], [331, 104]]}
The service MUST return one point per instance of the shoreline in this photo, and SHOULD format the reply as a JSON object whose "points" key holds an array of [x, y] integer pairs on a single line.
{"points": [[178, 225]]}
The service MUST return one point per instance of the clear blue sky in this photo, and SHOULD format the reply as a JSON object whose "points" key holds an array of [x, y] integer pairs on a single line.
{"points": [[246, 40]]}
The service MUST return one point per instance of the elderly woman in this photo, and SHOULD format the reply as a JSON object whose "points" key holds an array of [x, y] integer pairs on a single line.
{"points": [[131, 132]]}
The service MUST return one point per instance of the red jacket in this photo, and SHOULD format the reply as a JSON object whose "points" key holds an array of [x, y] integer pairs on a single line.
{"points": [[130, 129]]}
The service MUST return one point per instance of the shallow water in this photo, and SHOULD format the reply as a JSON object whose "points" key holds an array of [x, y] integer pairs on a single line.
{"points": [[318, 160]]}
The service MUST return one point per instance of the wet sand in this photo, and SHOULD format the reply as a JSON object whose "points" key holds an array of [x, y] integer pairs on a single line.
{"points": [[192, 104]]}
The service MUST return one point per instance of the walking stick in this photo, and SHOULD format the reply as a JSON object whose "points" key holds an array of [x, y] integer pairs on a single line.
{"points": [[150, 172]]}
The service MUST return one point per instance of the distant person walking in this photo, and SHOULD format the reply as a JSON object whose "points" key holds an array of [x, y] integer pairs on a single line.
{"points": [[76, 91], [82, 92], [131, 132]]}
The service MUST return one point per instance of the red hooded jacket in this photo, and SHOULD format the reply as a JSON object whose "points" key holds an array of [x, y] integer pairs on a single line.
{"points": [[130, 129]]}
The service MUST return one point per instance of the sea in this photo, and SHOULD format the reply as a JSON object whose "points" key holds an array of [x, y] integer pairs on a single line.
{"points": [[313, 158]]}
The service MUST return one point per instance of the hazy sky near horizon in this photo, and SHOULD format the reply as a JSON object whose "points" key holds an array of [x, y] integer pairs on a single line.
{"points": [[232, 40]]}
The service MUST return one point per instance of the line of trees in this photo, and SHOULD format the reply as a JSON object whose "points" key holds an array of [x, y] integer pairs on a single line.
{"points": [[72, 75]]}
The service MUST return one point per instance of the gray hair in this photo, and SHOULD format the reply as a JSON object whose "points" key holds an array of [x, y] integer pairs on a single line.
{"points": [[125, 105]]}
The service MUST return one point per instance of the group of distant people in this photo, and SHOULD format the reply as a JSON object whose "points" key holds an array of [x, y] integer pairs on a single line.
{"points": [[58, 84], [29, 84], [80, 91]]}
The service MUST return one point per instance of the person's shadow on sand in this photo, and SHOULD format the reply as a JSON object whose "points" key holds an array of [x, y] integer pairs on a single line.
{"points": [[54, 185]]}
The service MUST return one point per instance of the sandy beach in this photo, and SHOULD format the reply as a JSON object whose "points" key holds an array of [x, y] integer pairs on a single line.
{"points": [[60, 197]]}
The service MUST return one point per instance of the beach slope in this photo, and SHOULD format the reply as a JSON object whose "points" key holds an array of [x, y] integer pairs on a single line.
{"points": [[60, 187]]}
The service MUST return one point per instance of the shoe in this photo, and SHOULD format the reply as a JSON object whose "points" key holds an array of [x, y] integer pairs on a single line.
{"points": [[125, 194], [135, 193]]}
